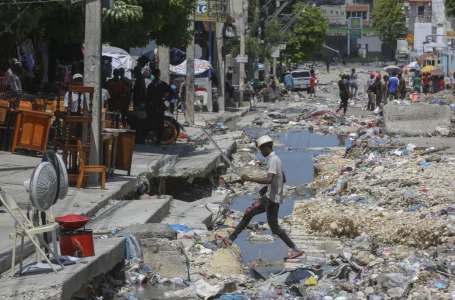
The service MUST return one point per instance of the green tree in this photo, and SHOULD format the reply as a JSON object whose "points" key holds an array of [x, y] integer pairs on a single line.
{"points": [[389, 20], [130, 23], [450, 8], [308, 34]]}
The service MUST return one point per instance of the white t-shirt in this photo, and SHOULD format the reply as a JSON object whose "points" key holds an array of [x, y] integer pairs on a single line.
{"points": [[74, 100], [104, 96], [275, 189]]}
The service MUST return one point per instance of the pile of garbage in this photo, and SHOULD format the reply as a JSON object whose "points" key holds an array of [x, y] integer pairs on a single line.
{"points": [[442, 97]]}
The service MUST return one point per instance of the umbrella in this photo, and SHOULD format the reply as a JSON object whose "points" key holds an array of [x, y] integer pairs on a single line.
{"points": [[427, 69], [392, 69], [413, 65], [146, 57], [200, 66]]}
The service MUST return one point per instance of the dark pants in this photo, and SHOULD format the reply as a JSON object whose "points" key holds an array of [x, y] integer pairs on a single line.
{"points": [[159, 121], [259, 207], [344, 101]]}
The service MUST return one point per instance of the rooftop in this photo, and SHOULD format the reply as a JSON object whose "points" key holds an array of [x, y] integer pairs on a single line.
{"points": [[357, 7]]}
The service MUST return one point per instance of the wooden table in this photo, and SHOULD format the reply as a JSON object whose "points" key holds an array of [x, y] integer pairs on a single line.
{"points": [[124, 149], [31, 130]]}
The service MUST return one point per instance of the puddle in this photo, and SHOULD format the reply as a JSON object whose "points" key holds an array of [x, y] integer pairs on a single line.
{"points": [[298, 167]]}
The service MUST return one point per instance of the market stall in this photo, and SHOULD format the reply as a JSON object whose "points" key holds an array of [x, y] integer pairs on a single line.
{"points": [[120, 59], [203, 85]]}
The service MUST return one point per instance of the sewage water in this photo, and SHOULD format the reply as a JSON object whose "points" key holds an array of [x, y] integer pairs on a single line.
{"points": [[298, 167]]}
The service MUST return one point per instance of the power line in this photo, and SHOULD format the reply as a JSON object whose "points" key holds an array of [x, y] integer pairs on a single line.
{"points": [[31, 2]]}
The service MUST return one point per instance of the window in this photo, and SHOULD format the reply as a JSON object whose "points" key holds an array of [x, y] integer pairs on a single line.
{"points": [[364, 15], [420, 10], [337, 12], [331, 11]]}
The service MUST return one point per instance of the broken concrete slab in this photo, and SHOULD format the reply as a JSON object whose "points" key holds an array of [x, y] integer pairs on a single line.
{"points": [[151, 230], [165, 257], [198, 163], [416, 119], [63, 284], [121, 214], [226, 261], [190, 214]]}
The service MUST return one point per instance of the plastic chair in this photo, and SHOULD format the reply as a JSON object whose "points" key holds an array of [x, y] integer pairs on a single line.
{"points": [[89, 169], [25, 228]]}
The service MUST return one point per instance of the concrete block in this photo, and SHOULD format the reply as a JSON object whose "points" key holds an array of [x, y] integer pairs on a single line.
{"points": [[63, 284], [165, 257], [129, 212], [189, 214], [416, 119], [151, 230]]}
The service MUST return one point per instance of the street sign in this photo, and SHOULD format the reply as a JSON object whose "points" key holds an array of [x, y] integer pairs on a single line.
{"points": [[212, 11], [356, 33], [450, 34], [242, 58], [276, 54], [282, 46]]}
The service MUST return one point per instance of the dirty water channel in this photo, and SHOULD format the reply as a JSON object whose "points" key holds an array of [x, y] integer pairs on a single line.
{"points": [[298, 167]]}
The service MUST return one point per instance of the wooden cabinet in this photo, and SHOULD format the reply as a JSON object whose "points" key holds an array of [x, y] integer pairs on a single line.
{"points": [[125, 149], [31, 130]]}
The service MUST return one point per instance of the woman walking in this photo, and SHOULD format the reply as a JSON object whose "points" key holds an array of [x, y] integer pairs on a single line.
{"points": [[345, 95]]}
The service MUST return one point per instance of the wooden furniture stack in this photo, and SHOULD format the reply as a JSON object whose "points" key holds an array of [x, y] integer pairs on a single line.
{"points": [[69, 128]]}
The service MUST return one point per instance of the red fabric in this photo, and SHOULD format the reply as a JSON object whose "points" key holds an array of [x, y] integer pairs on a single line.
{"points": [[426, 81], [442, 86], [312, 81]]}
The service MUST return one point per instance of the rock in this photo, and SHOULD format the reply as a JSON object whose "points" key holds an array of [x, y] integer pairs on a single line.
{"points": [[369, 290], [379, 169], [360, 294], [303, 190], [432, 158], [165, 257], [225, 262], [395, 293], [443, 131]]}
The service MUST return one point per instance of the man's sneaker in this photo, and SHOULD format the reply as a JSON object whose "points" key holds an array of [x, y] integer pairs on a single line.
{"points": [[294, 254]]}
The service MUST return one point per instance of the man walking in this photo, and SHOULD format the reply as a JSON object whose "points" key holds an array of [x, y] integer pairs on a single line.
{"points": [[417, 82], [313, 86], [157, 92], [271, 197], [371, 91], [379, 90]]}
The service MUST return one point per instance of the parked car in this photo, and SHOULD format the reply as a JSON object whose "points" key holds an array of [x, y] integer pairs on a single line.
{"points": [[301, 80]]}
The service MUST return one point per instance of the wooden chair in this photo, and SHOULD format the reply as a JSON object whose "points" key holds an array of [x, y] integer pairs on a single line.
{"points": [[83, 168]]}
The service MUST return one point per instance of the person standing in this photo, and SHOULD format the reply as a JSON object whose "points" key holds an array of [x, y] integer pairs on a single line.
{"points": [[353, 83], [128, 86], [393, 87], [385, 90], [371, 89], [345, 95], [379, 90], [426, 84], [401, 86], [288, 81], [313, 86], [74, 107], [139, 90], [116, 89], [328, 66], [271, 197], [157, 93], [12, 76], [417, 82]]}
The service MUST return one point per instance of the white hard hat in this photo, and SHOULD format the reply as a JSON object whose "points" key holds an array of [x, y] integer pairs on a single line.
{"points": [[264, 140]]}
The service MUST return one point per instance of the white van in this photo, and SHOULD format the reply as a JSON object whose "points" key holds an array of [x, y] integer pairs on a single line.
{"points": [[301, 79]]}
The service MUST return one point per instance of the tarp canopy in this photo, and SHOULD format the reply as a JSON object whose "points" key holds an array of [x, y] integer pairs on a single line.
{"points": [[120, 59], [200, 66], [424, 57]]}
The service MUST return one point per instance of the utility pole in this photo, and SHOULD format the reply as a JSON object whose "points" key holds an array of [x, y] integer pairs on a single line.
{"points": [[164, 63], [243, 18], [189, 114], [92, 77], [221, 72]]}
